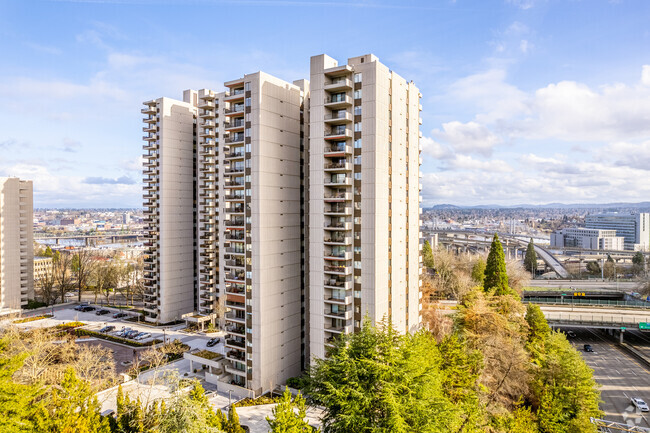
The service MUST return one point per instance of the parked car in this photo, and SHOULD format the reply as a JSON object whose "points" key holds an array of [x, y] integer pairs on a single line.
{"points": [[142, 336], [588, 348], [212, 342], [119, 314], [123, 332], [102, 312], [640, 404], [81, 306], [87, 308], [132, 334], [106, 329]]}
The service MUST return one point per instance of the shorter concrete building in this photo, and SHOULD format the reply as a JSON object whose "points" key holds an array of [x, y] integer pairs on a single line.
{"points": [[634, 228], [588, 239], [42, 267]]}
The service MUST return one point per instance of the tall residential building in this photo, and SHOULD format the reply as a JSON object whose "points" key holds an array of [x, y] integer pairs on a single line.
{"points": [[235, 244], [589, 239], [634, 228], [255, 198], [364, 199], [169, 215], [16, 243]]}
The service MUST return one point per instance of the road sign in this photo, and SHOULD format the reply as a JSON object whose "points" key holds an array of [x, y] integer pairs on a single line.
{"points": [[644, 325], [623, 328]]}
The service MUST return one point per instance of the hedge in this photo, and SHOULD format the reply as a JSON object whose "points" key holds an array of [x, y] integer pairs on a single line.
{"points": [[31, 319]]}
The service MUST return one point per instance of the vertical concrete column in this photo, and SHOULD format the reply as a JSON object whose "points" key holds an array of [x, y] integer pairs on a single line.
{"points": [[620, 336]]}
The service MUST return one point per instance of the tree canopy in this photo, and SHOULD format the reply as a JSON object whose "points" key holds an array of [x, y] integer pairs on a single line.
{"points": [[496, 276]]}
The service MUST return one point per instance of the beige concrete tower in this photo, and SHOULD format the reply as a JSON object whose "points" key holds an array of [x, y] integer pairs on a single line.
{"points": [[364, 201], [169, 189], [254, 233], [16, 243]]}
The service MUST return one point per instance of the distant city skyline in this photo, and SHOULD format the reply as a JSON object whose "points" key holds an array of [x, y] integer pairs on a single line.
{"points": [[524, 101]]}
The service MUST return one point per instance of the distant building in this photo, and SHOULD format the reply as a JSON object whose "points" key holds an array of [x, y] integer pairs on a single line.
{"points": [[16, 243], [69, 221], [126, 218], [42, 266], [634, 228], [588, 239]]}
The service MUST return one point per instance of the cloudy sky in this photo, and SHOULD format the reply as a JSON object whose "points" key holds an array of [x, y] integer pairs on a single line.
{"points": [[525, 101]]}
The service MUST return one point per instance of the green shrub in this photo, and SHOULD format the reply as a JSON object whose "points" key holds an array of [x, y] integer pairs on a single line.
{"points": [[31, 319], [31, 304], [264, 399]]}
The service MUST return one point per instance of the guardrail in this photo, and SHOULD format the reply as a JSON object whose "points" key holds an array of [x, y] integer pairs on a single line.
{"points": [[586, 302]]}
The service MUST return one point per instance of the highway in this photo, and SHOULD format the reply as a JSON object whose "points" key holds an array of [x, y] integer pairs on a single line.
{"points": [[621, 377]]}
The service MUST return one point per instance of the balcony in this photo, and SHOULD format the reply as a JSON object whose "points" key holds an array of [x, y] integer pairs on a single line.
{"points": [[235, 355], [236, 305], [208, 124], [208, 114], [338, 134], [339, 329], [338, 101], [206, 103], [150, 145], [346, 255], [234, 197], [150, 108], [238, 251], [235, 124], [237, 235], [235, 277], [235, 110], [340, 83], [338, 166], [338, 240], [235, 155], [235, 170], [235, 343], [235, 264], [232, 184], [234, 95], [336, 284], [337, 150], [233, 317], [235, 138], [339, 181], [338, 270], [338, 196], [338, 226], [236, 330], [342, 315], [234, 223], [150, 137], [235, 210], [338, 210], [150, 128]]}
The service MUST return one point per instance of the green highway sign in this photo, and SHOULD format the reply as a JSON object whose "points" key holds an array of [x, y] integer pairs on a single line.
{"points": [[644, 325], [623, 328]]}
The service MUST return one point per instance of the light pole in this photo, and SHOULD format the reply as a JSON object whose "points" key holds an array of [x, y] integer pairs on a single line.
{"points": [[229, 398], [164, 336]]}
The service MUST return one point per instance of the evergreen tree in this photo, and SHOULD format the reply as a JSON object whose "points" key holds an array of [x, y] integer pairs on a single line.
{"points": [[427, 255], [289, 416], [232, 425], [48, 252], [638, 259], [17, 406], [377, 380], [71, 408], [478, 271], [496, 277], [530, 261]]}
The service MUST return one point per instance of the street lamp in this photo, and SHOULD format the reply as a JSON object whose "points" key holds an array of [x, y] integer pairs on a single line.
{"points": [[164, 336]]}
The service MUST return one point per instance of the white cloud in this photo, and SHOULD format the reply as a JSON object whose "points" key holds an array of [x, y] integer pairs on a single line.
{"points": [[435, 149], [468, 137], [524, 46], [645, 75]]}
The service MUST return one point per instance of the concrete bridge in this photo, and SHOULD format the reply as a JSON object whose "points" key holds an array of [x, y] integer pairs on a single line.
{"points": [[613, 319], [95, 239]]}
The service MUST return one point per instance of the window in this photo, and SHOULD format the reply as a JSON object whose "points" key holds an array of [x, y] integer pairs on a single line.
{"points": [[357, 220], [357, 294], [357, 110], [357, 77], [357, 143], [357, 264], [248, 117], [357, 159], [357, 250], [247, 132], [357, 94], [357, 176], [248, 102], [247, 86], [357, 127]]}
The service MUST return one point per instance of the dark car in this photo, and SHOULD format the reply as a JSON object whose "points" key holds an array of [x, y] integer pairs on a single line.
{"points": [[102, 312], [87, 308], [212, 342], [106, 329], [119, 314], [81, 306], [570, 334], [588, 348]]}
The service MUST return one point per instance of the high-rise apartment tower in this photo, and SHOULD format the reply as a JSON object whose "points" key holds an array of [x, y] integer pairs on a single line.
{"points": [[364, 199], [16, 243]]}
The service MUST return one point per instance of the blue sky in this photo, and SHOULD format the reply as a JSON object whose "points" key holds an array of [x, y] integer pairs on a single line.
{"points": [[525, 101]]}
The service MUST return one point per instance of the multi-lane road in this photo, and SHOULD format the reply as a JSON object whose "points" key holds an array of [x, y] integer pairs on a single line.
{"points": [[621, 377]]}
